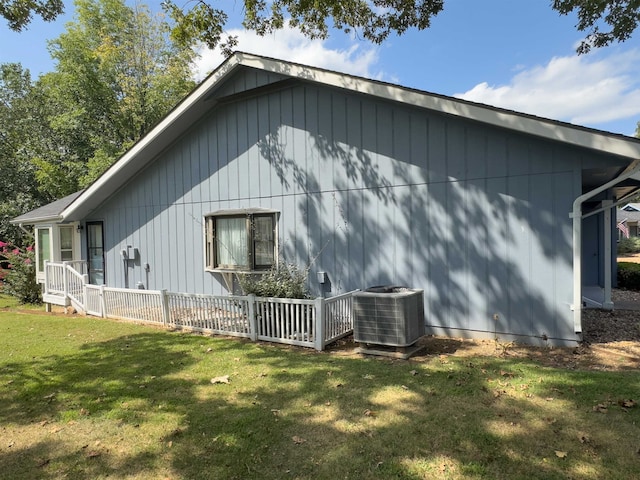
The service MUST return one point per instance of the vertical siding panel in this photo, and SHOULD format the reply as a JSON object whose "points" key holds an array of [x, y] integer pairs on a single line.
{"points": [[418, 138], [223, 156], [358, 158], [197, 152], [275, 145], [563, 266], [497, 267], [439, 241], [456, 142], [437, 150], [542, 256], [214, 169], [518, 255], [519, 158], [357, 233], [370, 161], [479, 259], [187, 168], [253, 153], [403, 170], [264, 134], [457, 254], [300, 137], [340, 160], [244, 167], [420, 243], [232, 152], [384, 145], [325, 142], [289, 176], [476, 153], [313, 146], [496, 156]]}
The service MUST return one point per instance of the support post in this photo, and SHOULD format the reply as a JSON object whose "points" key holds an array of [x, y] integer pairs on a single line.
{"points": [[607, 304], [319, 326], [251, 317]]}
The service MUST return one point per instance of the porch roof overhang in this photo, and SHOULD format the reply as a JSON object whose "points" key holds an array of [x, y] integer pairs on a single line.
{"points": [[205, 97], [632, 172], [50, 213]]}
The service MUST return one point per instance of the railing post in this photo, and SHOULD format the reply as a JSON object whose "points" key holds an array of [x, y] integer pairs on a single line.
{"points": [[251, 317], [103, 303], [46, 276], [318, 339], [166, 313], [65, 287]]}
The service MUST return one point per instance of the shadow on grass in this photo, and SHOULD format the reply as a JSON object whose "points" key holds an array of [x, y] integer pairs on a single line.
{"points": [[295, 413]]}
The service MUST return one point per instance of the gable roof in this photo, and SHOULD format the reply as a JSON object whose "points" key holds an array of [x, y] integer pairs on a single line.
{"points": [[203, 98], [631, 207], [47, 213]]}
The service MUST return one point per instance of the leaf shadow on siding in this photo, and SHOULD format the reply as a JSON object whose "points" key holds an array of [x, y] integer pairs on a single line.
{"points": [[472, 244]]}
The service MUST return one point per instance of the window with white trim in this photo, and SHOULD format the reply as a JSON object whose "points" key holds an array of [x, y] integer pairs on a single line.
{"points": [[242, 240]]}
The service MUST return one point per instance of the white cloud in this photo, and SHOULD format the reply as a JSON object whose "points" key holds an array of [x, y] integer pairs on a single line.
{"points": [[289, 44], [585, 90]]}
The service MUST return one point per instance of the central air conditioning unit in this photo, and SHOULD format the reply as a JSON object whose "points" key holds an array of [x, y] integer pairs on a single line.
{"points": [[388, 316]]}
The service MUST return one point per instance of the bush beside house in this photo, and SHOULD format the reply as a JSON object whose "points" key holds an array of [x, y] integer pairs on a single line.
{"points": [[18, 273]]}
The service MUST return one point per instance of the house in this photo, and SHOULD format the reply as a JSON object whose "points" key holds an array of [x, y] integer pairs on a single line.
{"points": [[504, 219], [629, 215]]}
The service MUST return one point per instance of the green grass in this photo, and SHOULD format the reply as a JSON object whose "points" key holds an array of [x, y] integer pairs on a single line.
{"points": [[91, 398]]}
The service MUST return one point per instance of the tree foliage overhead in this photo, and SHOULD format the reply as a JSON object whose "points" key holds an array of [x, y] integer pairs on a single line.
{"points": [[19, 13], [117, 74], [619, 18], [604, 21]]}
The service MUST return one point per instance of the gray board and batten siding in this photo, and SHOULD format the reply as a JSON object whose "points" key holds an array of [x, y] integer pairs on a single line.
{"points": [[376, 192]]}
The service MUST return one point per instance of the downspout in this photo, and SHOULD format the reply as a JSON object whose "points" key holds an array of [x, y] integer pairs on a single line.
{"points": [[576, 215]]}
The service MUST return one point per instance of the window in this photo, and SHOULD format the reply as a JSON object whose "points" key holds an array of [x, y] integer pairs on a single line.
{"points": [[66, 243], [240, 239], [43, 247]]}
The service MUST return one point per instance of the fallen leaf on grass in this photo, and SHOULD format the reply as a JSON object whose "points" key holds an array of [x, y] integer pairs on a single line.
{"points": [[43, 462], [561, 454], [93, 454], [369, 413], [297, 440], [413, 372], [222, 379], [627, 403], [600, 408]]}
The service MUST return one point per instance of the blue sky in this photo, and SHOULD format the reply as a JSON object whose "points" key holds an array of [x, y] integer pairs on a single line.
{"points": [[514, 54]]}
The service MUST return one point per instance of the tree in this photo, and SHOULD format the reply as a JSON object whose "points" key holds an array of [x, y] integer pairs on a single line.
{"points": [[117, 74], [19, 13], [19, 190], [376, 20]]}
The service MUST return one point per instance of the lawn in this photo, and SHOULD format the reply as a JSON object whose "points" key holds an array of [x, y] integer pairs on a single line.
{"points": [[83, 397]]}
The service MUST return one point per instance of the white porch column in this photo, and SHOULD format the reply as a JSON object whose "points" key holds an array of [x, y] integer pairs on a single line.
{"points": [[607, 304]]}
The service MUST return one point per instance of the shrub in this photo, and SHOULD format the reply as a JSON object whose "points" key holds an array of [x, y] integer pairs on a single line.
{"points": [[629, 275], [19, 273], [285, 280], [629, 245]]}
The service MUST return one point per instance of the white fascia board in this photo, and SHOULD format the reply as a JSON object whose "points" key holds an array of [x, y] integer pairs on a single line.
{"points": [[595, 140], [130, 155]]}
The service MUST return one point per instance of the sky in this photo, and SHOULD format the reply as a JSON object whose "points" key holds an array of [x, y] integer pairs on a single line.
{"points": [[519, 55]]}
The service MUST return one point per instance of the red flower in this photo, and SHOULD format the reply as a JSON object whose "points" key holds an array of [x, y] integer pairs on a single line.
{"points": [[30, 248], [3, 244], [16, 251]]}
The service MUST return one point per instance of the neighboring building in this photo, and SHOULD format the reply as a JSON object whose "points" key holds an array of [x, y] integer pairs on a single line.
{"points": [[369, 182], [630, 216]]}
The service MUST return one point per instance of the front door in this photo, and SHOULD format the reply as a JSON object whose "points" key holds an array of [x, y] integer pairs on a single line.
{"points": [[95, 249]]}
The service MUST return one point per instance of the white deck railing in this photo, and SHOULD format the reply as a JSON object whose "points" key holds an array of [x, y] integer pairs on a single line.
{"points": [[308, 323]]}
